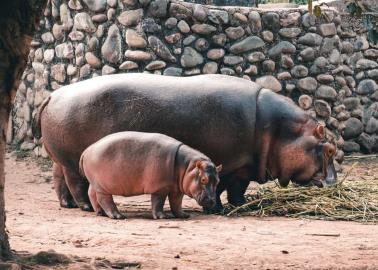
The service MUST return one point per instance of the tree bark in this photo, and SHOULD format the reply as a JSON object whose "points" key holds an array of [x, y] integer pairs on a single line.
{"points": [[18, 21]]}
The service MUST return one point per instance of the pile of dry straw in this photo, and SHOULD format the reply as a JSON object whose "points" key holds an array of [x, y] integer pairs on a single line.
{"points": [[348, 200]]}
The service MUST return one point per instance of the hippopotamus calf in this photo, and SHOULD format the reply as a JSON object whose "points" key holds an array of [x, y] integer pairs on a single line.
{"points": [[134, 163]]}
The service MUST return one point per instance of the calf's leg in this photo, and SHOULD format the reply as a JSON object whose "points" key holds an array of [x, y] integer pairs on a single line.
{"points": [[107, 204], [175, 201], [157, 204]]}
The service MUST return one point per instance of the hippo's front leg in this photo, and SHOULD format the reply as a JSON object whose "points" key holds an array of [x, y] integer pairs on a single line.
{"points": [[175, 201], [157, 204]]}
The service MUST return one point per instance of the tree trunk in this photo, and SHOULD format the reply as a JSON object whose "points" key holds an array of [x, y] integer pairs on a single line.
{"points": [[18, 21]]}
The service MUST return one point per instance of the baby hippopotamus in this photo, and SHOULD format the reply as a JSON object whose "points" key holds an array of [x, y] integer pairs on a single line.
{"points": [[134, 163]]}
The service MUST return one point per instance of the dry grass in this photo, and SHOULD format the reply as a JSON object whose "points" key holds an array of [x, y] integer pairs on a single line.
{"points": [[348, 200]]}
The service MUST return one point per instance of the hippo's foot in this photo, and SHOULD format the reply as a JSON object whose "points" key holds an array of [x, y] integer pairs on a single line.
{"points": [[159, 215], [116, 216], [217, 209], [68, 203], [86, 207], [181, 214], [237, 201]]}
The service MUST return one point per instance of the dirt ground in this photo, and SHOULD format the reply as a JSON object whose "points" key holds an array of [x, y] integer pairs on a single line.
{"points": [[37, 223]]}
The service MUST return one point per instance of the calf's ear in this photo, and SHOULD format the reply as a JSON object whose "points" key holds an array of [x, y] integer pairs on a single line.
{"points": [[219, 168], [329, 150], [319, 132], [199, 165]]}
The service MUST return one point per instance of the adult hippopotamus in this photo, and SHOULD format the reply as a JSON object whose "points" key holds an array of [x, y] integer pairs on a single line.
{"points": [[133, 163], [255, 133]]}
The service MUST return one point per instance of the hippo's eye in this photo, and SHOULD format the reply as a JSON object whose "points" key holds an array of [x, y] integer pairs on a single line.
{"points": [[204, 180]]}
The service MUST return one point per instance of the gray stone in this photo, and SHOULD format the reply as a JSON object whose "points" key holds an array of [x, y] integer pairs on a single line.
{"points": [[334, 57], [322, 108], [372, 126], [100, 31], [132, 3], [65, 17], [199, 12], [76, 36], [106, 70], [130, 17], [158, 8], [75, 5], [305, 102], [271, 21], [329, 44], [112, 3], [280, 48], [192, 71], [203, 29], [290, 32], [172, 71], [48, 55], [299, 71], [188, 40], [150, 26], [220, 39], [161, 49], [326, 92], [290, 19], [96, 5], [373, 74], [268, 66], [135, 40], [138, 55], [93, 60], [85, 71], [366, 64], [144, 3], [201, 44], [111, 14], [307, 85], [156, 65], [218, 16], [327, 29], [58, 72], [128, 65], [267, 36], [215, 54], [93, 44], [247, 44], [308, 20], [47, 38], [173, 38], [191, 58], [308, 54], [235, 32], [324, 78], [210, 68], [353, 128], [251, 70], [99, 18], [183, 27], [171, 23], [71, 70], [58, 31], [240, 17], [286, 61], [179, 11], [111, 50], [255, 22], [64, 50], [340, 81], [310, 39], [351, 147], [360, 43], [283, 76], [83, 21], [232, 60], [347, 47], [255, 57], [366, 143], [269, 82], [371, 53], [227, 71], [367, 87]]}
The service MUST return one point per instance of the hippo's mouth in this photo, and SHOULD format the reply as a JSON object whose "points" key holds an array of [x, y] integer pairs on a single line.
{"points": [[204, 200], [325, 179]]}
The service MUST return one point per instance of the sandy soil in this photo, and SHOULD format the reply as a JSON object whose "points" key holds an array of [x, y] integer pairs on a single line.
{"points": [[36, 223]]}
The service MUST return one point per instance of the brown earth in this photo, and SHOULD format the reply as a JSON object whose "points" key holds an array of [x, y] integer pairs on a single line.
{"points": [[37, 223]]}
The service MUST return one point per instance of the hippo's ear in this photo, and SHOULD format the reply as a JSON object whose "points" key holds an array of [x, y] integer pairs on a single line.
{"points": [[199, 165], [319, 132], [219, 168]]}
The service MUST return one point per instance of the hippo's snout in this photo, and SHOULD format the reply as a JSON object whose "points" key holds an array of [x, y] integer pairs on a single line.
{"points": [[206, 201], [329, 179]]}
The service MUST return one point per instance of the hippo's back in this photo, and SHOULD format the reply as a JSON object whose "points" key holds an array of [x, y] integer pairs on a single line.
{"points": [[212, 113]]}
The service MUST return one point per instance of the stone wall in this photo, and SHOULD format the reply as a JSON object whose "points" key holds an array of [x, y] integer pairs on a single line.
{"points": [[322, 64]]}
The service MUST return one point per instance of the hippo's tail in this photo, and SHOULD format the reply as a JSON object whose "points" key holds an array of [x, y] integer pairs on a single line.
{"points": [[81, 169], [36, 123]]}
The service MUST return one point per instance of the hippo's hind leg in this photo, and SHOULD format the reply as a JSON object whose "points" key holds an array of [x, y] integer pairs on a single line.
{"points": [[107, 204], [175, 202], [78, 187], [157, 204], [93, 198], [61, 189]]}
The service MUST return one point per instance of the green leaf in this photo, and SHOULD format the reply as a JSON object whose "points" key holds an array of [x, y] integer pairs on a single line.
{"points": [[317, 11]]}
